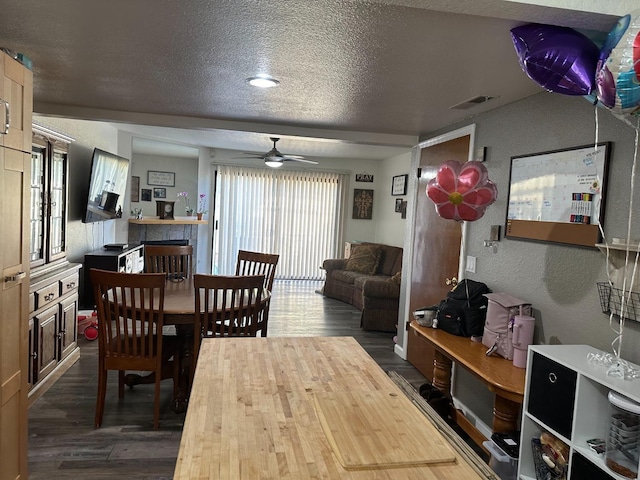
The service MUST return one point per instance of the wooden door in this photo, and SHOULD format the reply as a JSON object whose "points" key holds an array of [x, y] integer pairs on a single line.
{"points": [[16, 88], [436, 247]]}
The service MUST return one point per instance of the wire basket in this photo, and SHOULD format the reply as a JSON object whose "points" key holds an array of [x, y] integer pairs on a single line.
{"points": [[611, 302]]}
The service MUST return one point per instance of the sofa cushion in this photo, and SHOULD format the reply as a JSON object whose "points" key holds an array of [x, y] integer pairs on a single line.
{"points": [[345, 276], [364, 259]]}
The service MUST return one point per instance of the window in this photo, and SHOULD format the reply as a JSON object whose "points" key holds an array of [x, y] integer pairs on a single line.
{"points": [[297, 214]]}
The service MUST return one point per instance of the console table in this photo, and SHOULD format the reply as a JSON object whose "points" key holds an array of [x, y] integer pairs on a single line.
{"points": [[498, 374]]}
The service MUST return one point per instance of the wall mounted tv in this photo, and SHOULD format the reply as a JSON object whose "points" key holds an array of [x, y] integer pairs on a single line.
{"points": [[107, 186]]}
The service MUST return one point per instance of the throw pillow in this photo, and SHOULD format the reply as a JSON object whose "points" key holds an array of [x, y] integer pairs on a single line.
{"points": [[396, 278], [364, 259]]}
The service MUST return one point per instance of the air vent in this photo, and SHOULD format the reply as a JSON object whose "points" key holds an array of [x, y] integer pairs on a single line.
{"points": [[471, 102]]}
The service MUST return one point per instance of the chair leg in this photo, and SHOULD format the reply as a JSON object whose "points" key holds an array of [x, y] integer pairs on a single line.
{"points": [[121, 383], [156, 401], [102, 392]]}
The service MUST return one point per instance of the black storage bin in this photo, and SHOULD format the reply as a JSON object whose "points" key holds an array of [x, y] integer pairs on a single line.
{"points": [[583, 469], [551, 394]]}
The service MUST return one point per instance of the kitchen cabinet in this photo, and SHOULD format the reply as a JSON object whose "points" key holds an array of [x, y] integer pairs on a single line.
{"points": [[16, 106], [566, 394]]}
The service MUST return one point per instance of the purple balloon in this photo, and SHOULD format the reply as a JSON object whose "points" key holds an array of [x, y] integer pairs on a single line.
{"points": [[559, 59]]}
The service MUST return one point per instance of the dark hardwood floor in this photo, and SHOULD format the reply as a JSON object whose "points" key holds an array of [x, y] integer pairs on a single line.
{"points": [[64, 444]]}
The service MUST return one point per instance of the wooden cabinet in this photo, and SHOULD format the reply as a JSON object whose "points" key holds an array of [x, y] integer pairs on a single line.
{"points": [[55, 283], [567, 396], [53, 300], [16, 105], [129, 260]]}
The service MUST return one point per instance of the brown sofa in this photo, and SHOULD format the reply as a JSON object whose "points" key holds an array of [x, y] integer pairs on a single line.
{"points": [[376, 294]]}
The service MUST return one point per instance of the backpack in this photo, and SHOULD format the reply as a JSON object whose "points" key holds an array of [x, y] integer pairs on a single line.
{"points": [[464, 310], [498, 327]]}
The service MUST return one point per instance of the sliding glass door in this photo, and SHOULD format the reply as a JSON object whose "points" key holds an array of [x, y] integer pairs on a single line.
{"points": [[297, 214]]}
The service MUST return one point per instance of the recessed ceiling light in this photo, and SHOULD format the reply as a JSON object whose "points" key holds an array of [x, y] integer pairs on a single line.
{"points": [[263, 81]]}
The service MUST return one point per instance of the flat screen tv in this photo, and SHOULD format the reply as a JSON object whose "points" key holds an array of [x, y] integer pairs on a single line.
{"points": [[107, 186]]}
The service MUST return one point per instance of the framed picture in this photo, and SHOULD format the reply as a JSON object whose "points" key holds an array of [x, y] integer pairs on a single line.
{"points": [[362, 204], [559, 196], [159, 193], [146, 194], [399, 185], [135, 189], [398, 205], [164, 179]]}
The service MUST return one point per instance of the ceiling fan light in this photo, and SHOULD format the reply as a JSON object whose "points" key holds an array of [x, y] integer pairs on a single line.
{"points": [[262, 81], [274, 163]]}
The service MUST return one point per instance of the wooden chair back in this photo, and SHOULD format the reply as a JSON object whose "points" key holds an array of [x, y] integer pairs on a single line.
{"points": [[130, 318], [175, 261], [255, 263], [227, 306]]}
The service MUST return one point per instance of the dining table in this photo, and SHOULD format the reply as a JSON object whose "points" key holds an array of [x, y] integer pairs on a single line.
{"points": [[309, 407], [179, 321]]}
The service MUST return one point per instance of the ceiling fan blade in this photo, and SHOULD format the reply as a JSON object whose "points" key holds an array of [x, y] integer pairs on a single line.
{"points": [[300, 159], [260, 157]]}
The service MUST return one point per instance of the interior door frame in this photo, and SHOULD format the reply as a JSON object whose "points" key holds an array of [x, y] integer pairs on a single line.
{"points": [[404, 316]]}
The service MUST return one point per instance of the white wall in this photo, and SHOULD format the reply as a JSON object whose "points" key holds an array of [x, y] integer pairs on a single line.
{"points": [[390, 226]]}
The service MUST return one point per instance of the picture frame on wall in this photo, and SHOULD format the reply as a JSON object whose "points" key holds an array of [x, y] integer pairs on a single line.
{"points": [[162, 179], [135, 189], [399, 185], [362, 204], [159, 193], [146, 194]]}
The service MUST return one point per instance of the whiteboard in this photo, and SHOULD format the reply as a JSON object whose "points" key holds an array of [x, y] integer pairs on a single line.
{"points": [[561, 186], [559, 196]]}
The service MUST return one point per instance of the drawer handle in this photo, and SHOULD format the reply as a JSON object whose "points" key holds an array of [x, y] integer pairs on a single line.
{"points": [[15, 277], [6, 117], [49, 297], [34, 355], [71, 284], [553, 378]]}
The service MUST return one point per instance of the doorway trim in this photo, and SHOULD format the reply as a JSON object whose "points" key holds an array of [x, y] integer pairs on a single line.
{"points": [[404, 314]]}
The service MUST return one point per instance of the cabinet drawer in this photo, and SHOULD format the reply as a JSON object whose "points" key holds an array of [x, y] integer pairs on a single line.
{"points": [[46, 295], [69, 283], [552, 393]]}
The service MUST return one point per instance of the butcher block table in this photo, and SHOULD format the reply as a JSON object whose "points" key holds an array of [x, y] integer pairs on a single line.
{"points": [[297, 408]]}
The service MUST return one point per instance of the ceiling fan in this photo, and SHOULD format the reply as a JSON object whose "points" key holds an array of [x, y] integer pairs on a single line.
{"points": [[274, 159]]}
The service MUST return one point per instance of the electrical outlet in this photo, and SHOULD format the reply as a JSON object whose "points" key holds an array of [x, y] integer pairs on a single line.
{"points": [[471, 264]]}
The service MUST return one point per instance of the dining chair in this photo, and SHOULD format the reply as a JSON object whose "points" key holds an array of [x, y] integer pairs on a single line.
{"points": [[130, 319], [175, 261], [226, 306], [256, 263]]}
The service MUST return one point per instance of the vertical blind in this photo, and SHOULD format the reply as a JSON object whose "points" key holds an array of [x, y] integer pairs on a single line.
{"points": [[296, 214]]}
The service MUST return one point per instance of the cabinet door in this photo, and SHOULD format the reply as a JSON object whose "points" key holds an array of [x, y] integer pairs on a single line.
{"points": [[31, 378], [47, 325], [68, 331], [57, 206], [16, 93], [37, 224], [14, 311]]}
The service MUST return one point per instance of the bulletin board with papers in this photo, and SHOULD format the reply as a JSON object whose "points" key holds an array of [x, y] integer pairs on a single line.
{"points": [[559, 196]]}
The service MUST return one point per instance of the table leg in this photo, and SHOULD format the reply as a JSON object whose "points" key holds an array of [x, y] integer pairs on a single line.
{"points": [[182, 372], [505, 414], [442, 373]]}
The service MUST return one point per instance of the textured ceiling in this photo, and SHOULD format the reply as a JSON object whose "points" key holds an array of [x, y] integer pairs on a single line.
{"points": [[352, 72]]}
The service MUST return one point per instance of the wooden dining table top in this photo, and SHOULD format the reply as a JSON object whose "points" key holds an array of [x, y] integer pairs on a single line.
{"points": [[271, 408], [179, 301]]}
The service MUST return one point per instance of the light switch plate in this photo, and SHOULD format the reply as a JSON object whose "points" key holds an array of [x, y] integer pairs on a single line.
{"points": [[471, 264], [495, 233]]}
